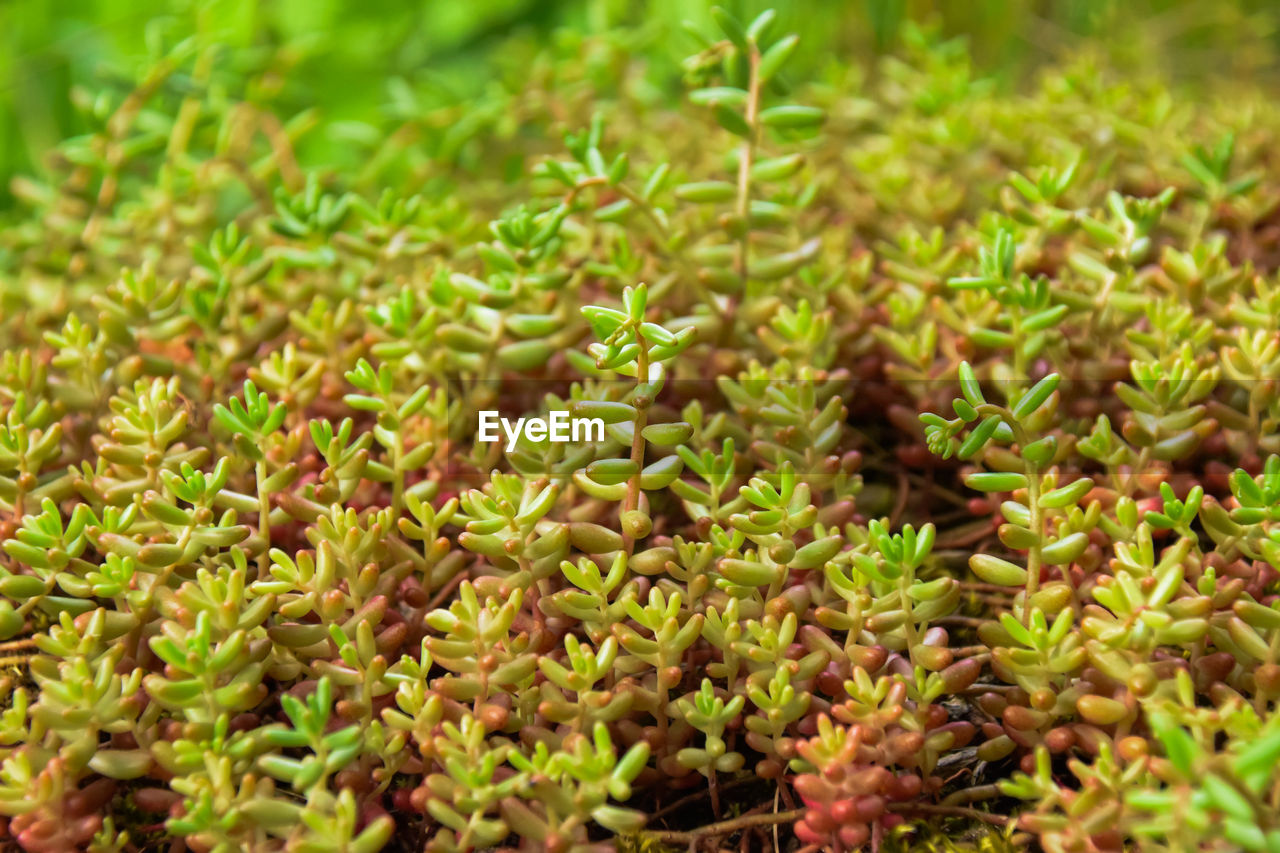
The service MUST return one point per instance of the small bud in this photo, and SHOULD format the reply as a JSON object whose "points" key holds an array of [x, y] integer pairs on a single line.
{"points": [[1043, 699], [636, 524], [493, 717], [1060, 739], [1142, 680], [782, 552]]}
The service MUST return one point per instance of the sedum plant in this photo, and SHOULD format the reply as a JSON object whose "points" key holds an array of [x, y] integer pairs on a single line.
{"points": [[934, 501]]}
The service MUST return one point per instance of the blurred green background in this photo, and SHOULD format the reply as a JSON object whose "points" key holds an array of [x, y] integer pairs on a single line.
{"points": [[354, 56]]}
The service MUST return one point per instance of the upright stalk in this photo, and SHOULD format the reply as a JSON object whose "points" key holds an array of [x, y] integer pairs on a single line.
{"points": [[397, 474], [642, 404], [746, 156], [264, 518], [1036, 520], [1037, 525], [742, 202]]}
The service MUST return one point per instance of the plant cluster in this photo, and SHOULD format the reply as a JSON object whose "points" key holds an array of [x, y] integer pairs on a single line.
{"points": [[940, 478]]}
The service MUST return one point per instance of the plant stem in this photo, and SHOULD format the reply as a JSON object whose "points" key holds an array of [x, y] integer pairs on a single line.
{"points": [[1032, 473], [637, 439], [446, 591], [264, 518], [742, 202], [1037, 526], [697, 795], [664, 693], [659, 226], [949, 811], [904, 601], [535, 593], [969, 795], [397, 478], [1135, 474], [746, 153], [725, 827]]}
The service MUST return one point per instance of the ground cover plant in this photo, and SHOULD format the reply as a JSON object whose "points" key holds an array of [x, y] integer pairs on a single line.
{"points": [[937, 506]]}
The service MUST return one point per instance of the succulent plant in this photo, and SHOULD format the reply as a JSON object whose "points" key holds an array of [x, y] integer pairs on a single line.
{"points": [[936, 490]]}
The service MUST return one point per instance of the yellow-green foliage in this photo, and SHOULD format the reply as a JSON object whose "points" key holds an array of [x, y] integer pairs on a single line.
{"points": [[938, 505]]}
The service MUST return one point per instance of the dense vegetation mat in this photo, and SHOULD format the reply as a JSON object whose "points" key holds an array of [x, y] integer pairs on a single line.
{"points": [[934, 497]]}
